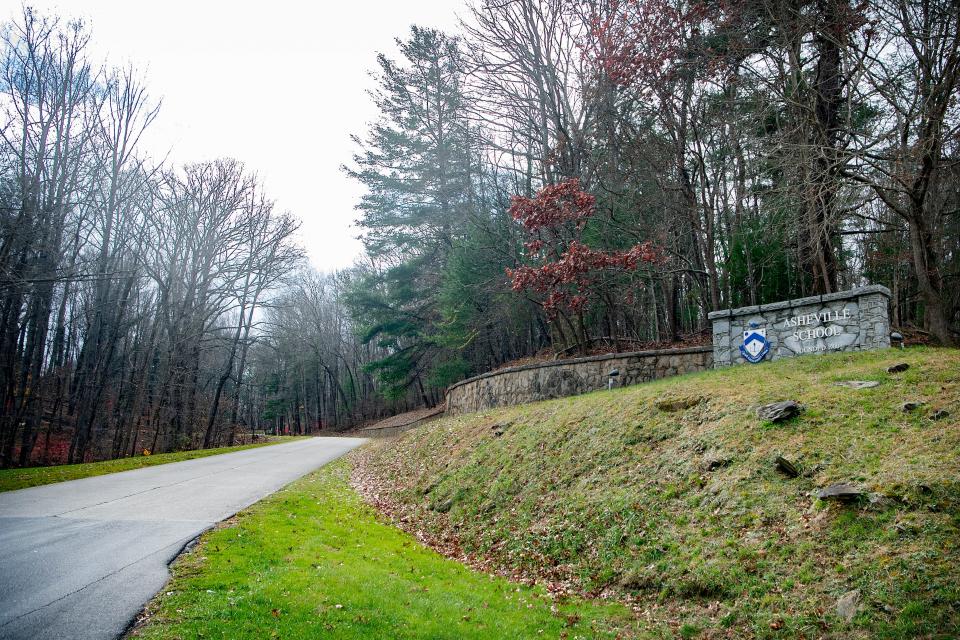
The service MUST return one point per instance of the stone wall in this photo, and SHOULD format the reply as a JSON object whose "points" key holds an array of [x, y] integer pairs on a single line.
{"points": [[386, 432], [399, 423], [852, 320], [529, 383]]}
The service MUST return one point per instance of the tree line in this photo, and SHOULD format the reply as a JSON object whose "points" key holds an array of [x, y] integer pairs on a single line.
{"points": [[130, 291], [562, 176], [555, 177]]}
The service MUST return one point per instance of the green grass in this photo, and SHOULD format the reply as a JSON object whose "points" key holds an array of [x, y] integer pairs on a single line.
{"points": [[11, 479], [684, 513], [313, 561]]}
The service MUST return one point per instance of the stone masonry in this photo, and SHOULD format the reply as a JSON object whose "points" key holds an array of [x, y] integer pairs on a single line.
{"points": [[542, 381], [852, 320]]}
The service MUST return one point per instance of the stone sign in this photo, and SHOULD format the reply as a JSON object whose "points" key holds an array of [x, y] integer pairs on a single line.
{"points": [[852, 320]]}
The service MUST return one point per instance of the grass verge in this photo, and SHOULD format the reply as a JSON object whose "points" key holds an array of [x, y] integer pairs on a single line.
{"points": [[313, 561], [666, 495], [11, 479]]}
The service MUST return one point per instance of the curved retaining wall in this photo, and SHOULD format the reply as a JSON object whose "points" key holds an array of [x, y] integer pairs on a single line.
{"points": [[561, 378]]}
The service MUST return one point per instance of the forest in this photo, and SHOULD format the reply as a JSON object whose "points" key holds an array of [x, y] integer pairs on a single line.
{"points": [[555, 178]]}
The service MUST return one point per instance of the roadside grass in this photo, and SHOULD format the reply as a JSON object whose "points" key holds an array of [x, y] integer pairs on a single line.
{"points": [[11, 479], [681, 511], [313, 561]]}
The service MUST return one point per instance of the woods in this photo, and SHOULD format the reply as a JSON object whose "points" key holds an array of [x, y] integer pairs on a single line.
{"points": [[556, 177], [129, 288], [626, 167]]}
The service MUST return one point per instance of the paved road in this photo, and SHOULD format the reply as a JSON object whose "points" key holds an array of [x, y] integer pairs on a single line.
{"points": [[79, 559]]}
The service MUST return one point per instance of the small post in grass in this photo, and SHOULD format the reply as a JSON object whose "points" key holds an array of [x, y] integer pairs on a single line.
{"points": [[611, 377], [897, 339]]}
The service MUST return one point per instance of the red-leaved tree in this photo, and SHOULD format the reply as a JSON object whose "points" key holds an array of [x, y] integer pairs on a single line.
{"points": [[641, 43], [567, 275]]}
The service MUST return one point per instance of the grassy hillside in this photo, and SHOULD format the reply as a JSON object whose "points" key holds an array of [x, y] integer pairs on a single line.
{"points": [[667, 495]]}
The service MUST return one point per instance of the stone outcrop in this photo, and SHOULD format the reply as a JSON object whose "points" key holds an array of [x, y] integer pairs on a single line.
{"points": [[543, 381], [780, 411]]}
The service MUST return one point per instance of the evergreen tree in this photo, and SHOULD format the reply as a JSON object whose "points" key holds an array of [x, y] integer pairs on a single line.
{"points": [[416, 163]]}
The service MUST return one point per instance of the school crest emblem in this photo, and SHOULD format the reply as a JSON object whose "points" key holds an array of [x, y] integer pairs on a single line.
{"points": [[755, 344]]}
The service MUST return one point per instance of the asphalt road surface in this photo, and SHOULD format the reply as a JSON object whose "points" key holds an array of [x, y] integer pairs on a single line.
{"points": [[79, 559]]}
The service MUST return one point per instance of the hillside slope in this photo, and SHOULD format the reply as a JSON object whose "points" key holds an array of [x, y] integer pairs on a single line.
{"points": [[666, 495]]}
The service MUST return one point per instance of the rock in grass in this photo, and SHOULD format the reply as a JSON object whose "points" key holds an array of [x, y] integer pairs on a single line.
{"points": [[939, 414], [442, 507], [858, 384], [900, 367], [676, 404], [780, 411], [840, 491], [498, 428], [880, 501], [848, 604], [787, 467], [712, 464], [912, 405]]}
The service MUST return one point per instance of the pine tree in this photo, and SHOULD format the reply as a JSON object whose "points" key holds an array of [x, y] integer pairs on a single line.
{"points": [[416, 163]]}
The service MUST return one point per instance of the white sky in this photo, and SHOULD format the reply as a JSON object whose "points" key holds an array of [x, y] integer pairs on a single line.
{"points": [[278, 84]]}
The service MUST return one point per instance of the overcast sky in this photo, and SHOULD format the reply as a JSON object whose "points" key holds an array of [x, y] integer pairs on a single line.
{"points": [[277, 84]]}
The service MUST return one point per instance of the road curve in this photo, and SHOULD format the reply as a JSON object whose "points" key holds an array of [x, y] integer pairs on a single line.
{"points": [[79, 559]]}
